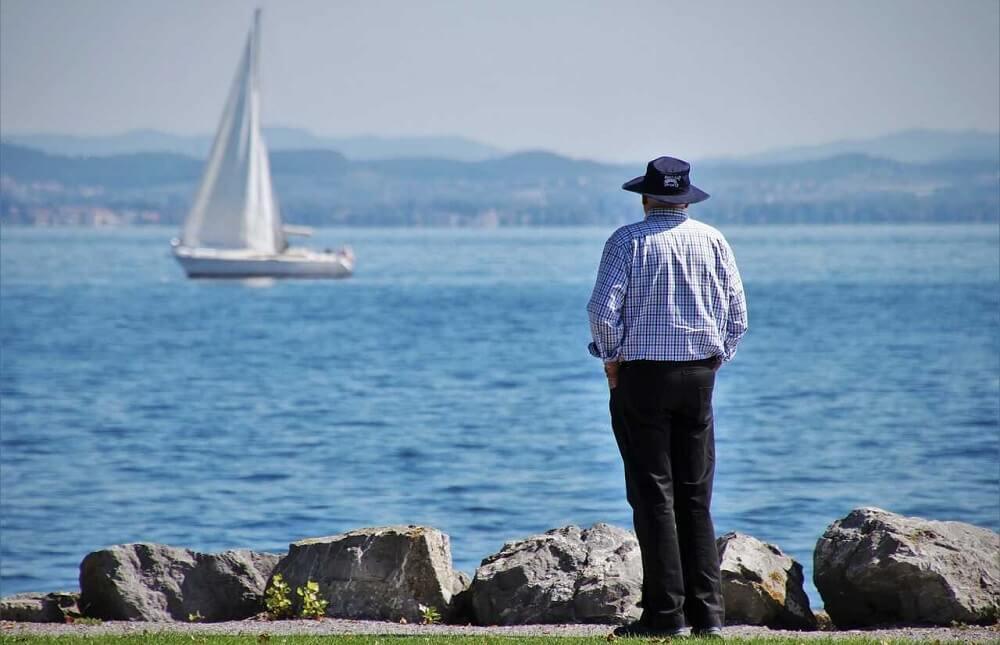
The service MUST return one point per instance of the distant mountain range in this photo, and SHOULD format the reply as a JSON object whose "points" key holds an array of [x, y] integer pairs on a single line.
{"points": [[324, 187], [917, 146], [278, 138]]}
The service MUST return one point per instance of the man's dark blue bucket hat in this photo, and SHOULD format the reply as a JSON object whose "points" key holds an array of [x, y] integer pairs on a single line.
{"points": [[666, 180]]}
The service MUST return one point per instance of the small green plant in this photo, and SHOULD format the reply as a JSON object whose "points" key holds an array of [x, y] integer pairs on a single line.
{"points": [[312, 605], [196, 617], [429, 615], [277, 598], [83, 620]]}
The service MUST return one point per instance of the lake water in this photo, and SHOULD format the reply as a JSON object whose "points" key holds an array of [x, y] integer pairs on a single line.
{"points": [[448, 383]]}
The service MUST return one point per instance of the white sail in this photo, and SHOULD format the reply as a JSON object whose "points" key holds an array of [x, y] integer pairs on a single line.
{"points": [[234, 228], [236, 207]]}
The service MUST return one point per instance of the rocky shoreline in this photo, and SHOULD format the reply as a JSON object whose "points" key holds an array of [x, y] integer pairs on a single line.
{"points": [[903, 577]]}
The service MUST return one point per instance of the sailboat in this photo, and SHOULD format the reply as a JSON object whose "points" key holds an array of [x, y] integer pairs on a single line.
{"points": [[234, 228]]}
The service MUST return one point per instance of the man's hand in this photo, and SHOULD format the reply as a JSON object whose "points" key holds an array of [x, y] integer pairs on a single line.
{"points": [[611, 371]]}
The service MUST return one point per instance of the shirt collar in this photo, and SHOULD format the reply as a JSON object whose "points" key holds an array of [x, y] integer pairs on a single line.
{"points": [[667, 212]]}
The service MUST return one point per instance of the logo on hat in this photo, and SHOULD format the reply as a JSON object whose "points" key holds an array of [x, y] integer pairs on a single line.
{"points": [[671, 182]]}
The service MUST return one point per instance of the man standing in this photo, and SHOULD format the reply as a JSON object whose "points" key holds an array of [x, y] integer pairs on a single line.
{"points": [[667, 310]]}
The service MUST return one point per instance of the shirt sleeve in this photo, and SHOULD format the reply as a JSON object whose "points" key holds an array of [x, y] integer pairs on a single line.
{"points": [[736, 323], [605, 307]]}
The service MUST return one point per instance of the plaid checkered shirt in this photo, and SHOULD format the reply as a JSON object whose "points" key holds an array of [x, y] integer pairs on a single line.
{"points": [[667, 290]]}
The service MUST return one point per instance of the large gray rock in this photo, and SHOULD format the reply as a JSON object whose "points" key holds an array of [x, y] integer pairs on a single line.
{"points": [[565, 575], [761, 585], [157, 582], [384, 573], [875, 567], [34, 607]]}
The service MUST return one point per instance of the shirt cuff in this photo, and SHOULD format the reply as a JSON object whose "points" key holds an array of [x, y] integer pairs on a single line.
{"points": [[596, 353]]}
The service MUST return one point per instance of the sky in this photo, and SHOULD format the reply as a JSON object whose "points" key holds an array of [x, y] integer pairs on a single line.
{"points": [[610, 80]]}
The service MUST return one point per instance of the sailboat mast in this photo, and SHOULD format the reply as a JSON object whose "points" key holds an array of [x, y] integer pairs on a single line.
{"points": [[254, 48], [266, 198]]}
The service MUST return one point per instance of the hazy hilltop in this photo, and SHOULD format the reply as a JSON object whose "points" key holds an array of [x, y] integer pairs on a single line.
{"points": [[955, 180], [908, 145], [278, 138]]}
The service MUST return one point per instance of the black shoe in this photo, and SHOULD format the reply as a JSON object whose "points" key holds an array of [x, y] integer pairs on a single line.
{"points": [[708, 632], [638, 630]]}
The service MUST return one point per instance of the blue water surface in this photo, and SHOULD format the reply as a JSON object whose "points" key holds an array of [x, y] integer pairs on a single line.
{"points": [[448, 383]]}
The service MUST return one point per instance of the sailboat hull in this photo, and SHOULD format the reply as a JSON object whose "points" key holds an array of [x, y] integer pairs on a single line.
{"points": [[236, 264]]}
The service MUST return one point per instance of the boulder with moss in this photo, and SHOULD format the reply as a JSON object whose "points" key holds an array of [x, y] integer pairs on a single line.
{"points": [[874, 567], [761, 585]]}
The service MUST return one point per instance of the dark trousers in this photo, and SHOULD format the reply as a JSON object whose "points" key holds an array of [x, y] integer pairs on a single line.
{"points": [[661, 412]]}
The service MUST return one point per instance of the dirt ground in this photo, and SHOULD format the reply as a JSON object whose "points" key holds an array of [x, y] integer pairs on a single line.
{"points": [[338, 626]]}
